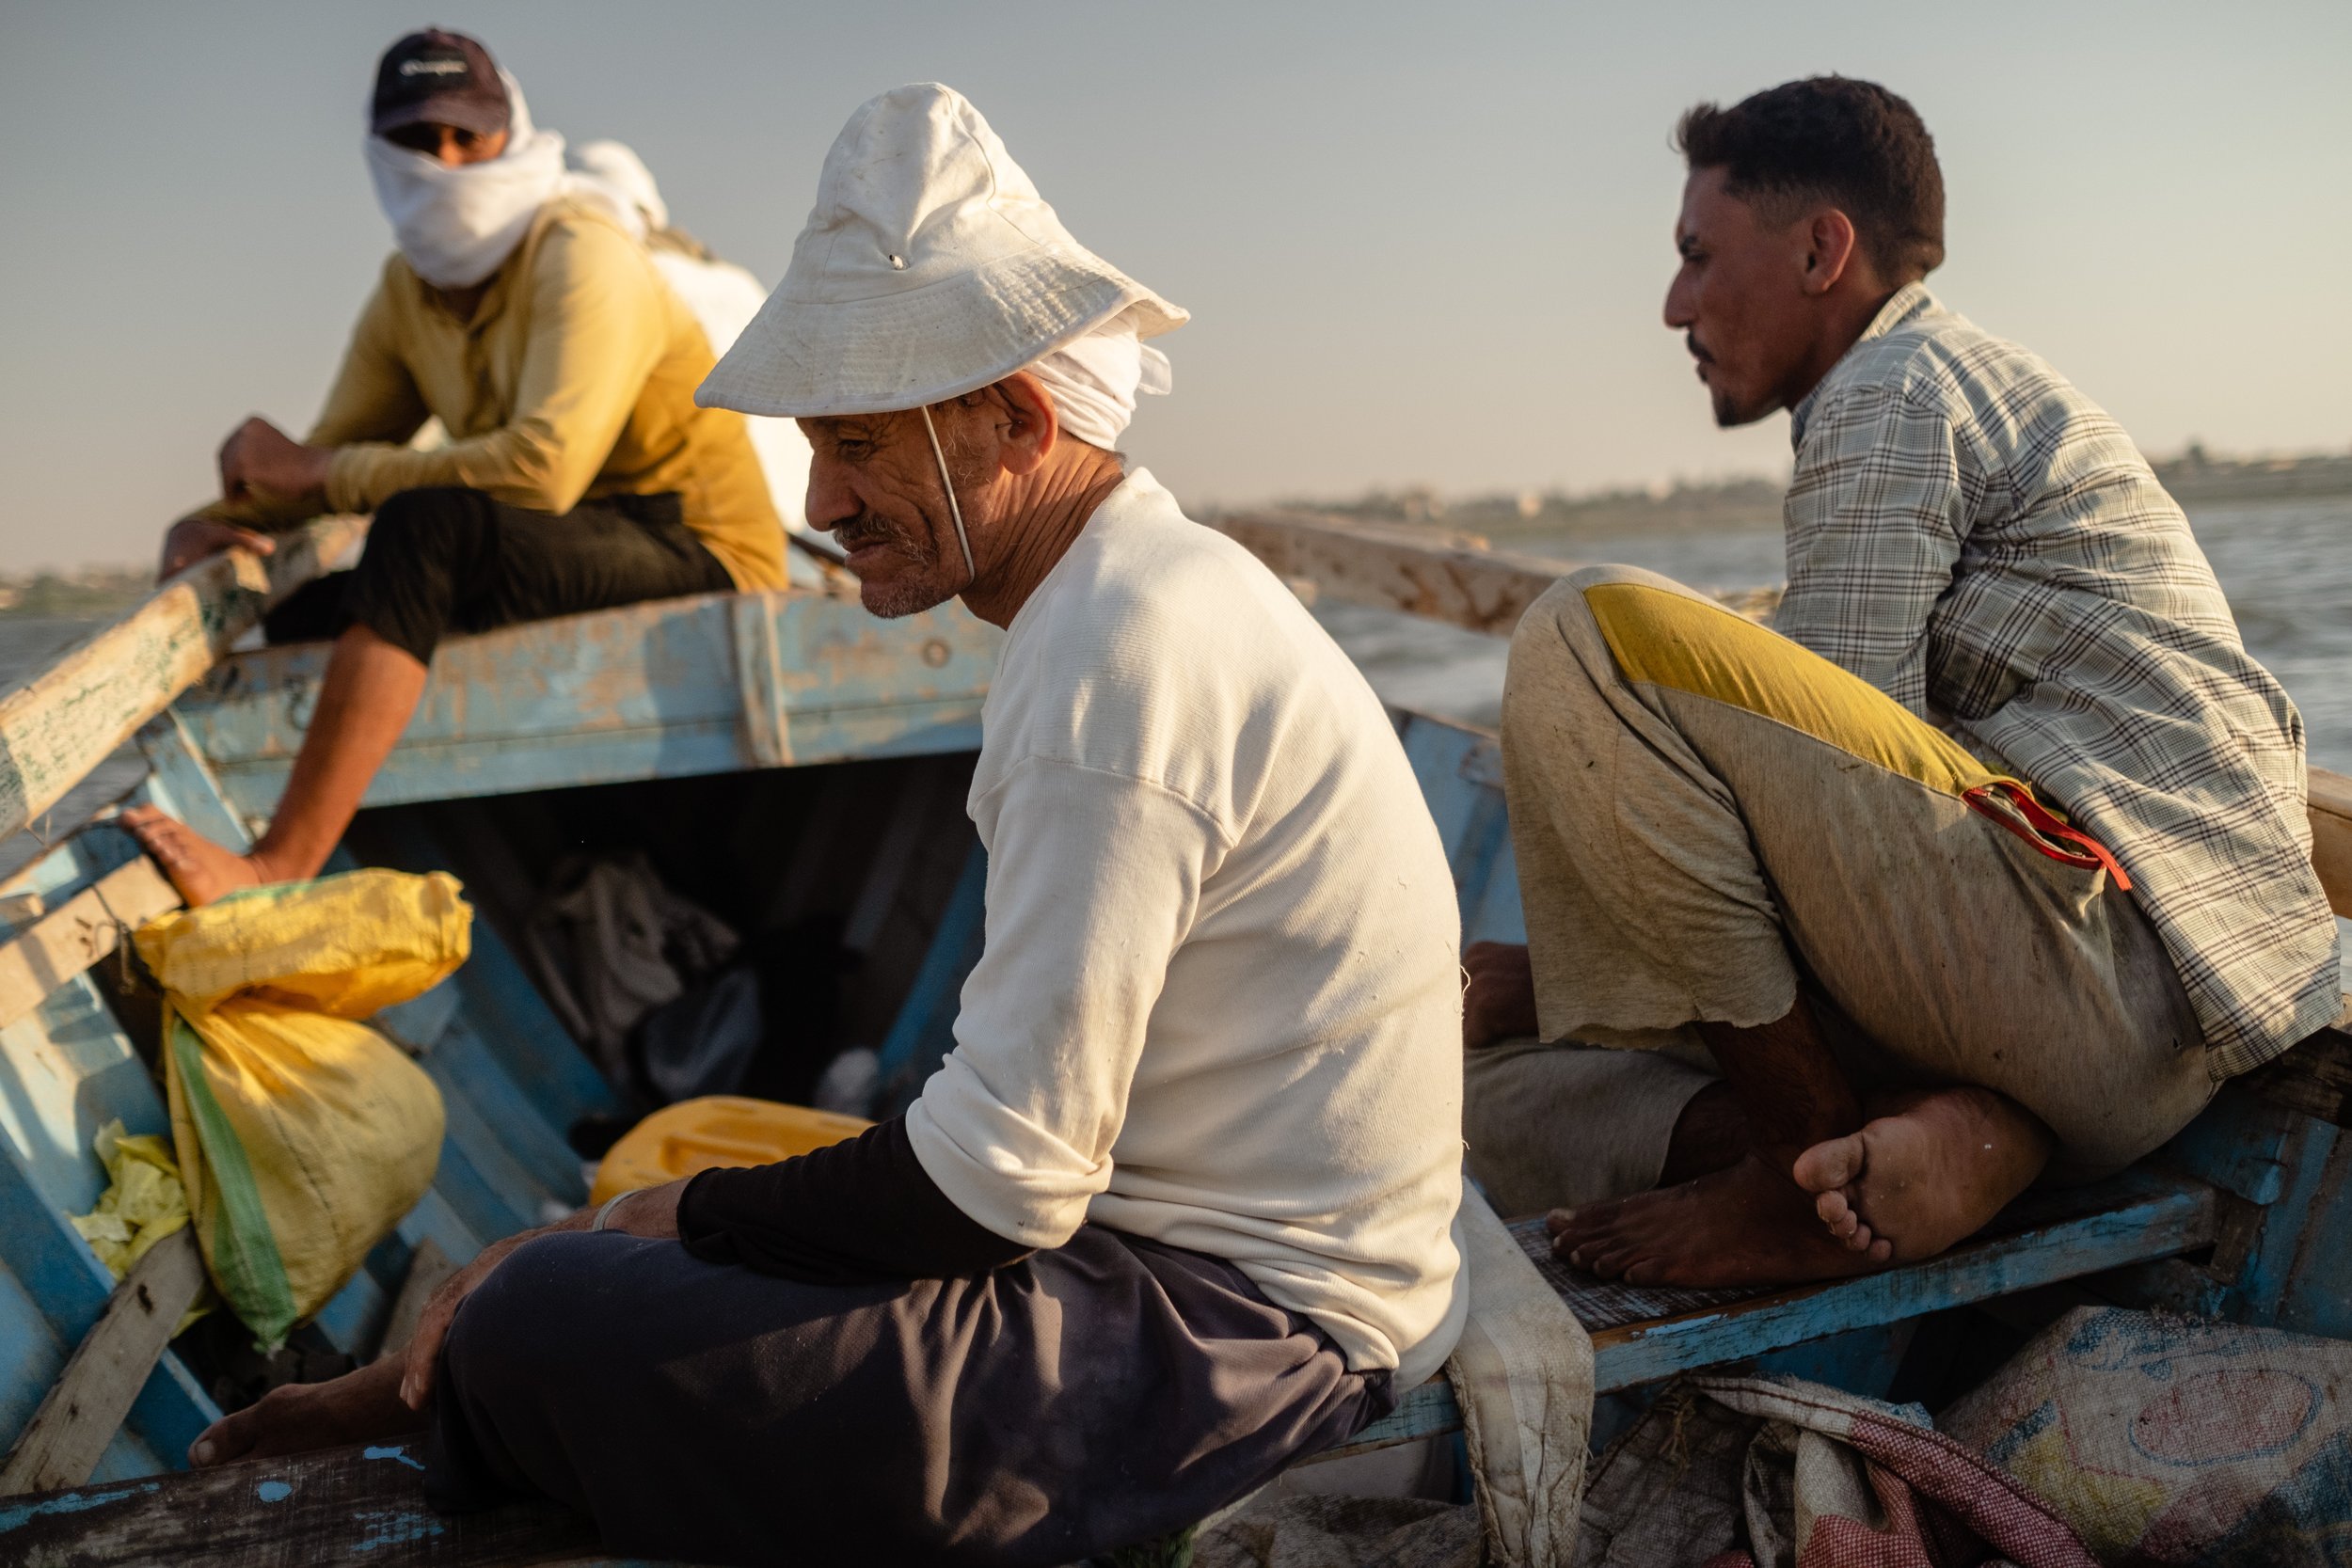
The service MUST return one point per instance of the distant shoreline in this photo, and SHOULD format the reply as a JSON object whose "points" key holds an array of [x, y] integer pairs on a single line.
{"points": [[1718, 506], [1754, 503], [81, 594]]}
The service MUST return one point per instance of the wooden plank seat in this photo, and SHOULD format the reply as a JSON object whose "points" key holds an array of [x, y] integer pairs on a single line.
{"points": [[1641, 1334], [358, 1505]]}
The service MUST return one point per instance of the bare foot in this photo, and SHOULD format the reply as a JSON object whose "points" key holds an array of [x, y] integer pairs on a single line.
{"points": [[301, 1417], [201, 869], [1746, 1225], [1925, 1173]]}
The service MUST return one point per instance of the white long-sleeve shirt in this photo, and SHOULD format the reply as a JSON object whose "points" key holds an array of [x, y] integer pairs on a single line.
{"points": [[1219, 1001]]}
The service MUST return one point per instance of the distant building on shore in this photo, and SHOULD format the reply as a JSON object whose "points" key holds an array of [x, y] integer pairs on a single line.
{"points": [[2197, 475]]}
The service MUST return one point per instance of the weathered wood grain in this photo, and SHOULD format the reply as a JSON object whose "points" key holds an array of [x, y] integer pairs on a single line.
{"points": [[2315, 1077], [669, 688], [1455, 578], [2331, 797], [1451, 577], [56, 729], [62, 1443], [68, 939], [356, 1505], [66, 1070]]}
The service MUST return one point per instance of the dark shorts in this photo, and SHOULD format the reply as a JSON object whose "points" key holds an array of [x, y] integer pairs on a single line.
{"points": [[453, 561], [1100, 1394]]}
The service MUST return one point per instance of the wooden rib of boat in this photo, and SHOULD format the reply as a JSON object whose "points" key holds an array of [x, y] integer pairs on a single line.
{"points": [[800, 767]]}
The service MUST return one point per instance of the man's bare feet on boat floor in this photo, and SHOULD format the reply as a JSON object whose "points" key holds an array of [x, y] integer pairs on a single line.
{"points": [[201, 869], [1927, 1171], [1746, 1225], [301, 1417]]}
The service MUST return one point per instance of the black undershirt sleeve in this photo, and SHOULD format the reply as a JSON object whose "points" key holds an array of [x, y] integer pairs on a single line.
{"points": [[859, 1213]]}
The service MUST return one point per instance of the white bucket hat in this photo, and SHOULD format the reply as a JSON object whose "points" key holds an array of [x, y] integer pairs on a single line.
{"points": [[930, 267]]}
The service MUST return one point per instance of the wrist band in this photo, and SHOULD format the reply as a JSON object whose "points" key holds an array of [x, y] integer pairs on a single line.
{"points": [[610, 1204]]}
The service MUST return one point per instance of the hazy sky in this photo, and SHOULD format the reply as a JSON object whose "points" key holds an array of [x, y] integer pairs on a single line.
{"points": [[1421, 244]]}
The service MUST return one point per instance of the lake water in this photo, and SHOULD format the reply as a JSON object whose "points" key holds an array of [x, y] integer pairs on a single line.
{"points": [[2286, 565]]}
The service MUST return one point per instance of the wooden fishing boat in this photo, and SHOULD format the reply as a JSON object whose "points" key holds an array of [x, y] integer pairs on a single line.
{"points": [[800, 767]]}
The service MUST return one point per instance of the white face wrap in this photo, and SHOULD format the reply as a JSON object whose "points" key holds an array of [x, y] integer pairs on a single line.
{"points": [[458, 225], [971, 573]]}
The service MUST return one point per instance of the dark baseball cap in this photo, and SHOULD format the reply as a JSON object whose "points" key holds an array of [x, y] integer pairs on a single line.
{"points": [[444, 77]]}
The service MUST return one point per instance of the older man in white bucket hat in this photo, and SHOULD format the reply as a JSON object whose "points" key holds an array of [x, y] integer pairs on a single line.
{"points": [[1180, 1206]]}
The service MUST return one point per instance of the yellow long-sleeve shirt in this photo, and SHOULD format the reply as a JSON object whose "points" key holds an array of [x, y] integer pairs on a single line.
{"points": [[573, 380]]}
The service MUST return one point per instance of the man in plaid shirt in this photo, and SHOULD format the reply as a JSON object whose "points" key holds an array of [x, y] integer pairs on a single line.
{"points": [[1984, 870]]}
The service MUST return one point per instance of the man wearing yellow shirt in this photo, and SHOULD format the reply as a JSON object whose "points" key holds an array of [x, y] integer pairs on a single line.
{"points": [[578, 474]]}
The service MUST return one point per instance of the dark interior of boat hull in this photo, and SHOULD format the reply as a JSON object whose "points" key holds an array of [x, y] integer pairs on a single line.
{"points": [[836, 877]]}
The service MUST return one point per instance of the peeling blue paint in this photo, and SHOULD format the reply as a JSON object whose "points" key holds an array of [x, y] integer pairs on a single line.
{"points": [[654, 691], [393, 1527], [399, 1453], [273, 1491], [68, 1502]]}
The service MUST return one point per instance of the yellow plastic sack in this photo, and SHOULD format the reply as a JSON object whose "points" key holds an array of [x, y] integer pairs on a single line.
{"points": [[695, 1135], [143, 1203], [303, 1134]]}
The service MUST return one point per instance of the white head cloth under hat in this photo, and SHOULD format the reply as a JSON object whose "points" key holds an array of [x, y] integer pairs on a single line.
{"points": [[931, 267]]}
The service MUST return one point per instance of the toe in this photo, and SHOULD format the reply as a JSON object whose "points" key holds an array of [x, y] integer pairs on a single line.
{"points": [[1612, 1262], [1581, 1221], [1859, 1239], [1646, 1271], [1580, 1248], [1830, 1164], [1834, 1210], [1572, 1228]]}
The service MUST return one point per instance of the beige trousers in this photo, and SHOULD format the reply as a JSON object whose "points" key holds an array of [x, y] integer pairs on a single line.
{"points": [[1707, 816]]}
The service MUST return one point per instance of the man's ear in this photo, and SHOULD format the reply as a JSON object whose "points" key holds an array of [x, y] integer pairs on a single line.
{"points": [[1830, 250], [1031, 427]]}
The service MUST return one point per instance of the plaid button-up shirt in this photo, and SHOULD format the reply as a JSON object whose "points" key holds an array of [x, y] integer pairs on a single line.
{"points": [[1973, 536]]}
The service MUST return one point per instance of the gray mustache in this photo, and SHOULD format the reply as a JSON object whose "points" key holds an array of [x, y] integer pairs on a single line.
{"points": [[865, 528]]}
